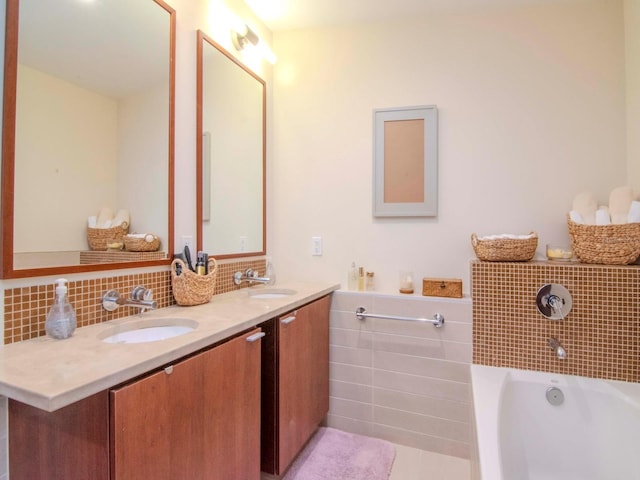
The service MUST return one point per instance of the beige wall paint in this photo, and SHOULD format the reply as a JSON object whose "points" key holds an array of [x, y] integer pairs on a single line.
{"points": [[632, 55], [531, 111], [78, 177]]}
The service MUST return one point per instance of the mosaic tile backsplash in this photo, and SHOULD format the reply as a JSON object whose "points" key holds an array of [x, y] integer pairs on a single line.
{"points": [[601, 334], [26, 308]]}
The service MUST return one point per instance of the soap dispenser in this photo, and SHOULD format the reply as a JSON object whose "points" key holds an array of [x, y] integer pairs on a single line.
{"points": [[61, 319], [270, 272]]}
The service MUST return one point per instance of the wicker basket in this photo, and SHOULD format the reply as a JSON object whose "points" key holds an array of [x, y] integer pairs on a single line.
{"points": [[97, 237], [136, 244], [605, 244], [505, 249], [189, 288]]}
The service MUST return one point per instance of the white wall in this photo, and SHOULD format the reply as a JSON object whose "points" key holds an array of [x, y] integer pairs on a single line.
{"points": [[632, 54], [144, 116], [531, 111], [75, 130]]}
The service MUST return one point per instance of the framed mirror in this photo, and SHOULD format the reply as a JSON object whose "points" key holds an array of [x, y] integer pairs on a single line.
{"points": [[88, 126], [231, 153]]}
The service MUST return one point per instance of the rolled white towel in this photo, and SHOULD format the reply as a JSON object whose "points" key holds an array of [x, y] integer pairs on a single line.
{"points": [[148, 237], [602, 216], [620, 200], [92, 221], [121, 217], [106, 215], [507, 236], [576, 217], [586, 204], [634, 212], [106, 224]]}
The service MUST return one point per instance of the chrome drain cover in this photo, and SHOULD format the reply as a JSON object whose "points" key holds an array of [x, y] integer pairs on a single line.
{"points": [[555, 396]]}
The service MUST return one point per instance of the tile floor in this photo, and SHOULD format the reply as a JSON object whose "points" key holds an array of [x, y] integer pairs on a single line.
{"points": [[414, 464]]}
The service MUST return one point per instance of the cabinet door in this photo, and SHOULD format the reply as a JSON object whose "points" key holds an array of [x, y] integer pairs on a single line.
{"points": [[198, 419], [72, 442], [156, 423], [232, 409], [303, 383]]}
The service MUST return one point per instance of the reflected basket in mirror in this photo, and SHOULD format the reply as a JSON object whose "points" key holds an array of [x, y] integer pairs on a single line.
{"points": [[98, 238], [189, 288], [141, 243]]}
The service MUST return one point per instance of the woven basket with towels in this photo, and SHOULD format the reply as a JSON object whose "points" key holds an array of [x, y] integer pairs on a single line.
{"points": [[505, 248], [141, 242], [605, 244], [189, 288], [98, 237]]}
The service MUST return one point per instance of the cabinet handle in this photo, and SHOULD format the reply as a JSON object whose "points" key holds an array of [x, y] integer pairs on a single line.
{"points": [[288, 320], [255, 336], [169, 370]]}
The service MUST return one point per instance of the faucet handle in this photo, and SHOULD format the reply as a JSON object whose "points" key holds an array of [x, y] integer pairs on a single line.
{"points": [[140, 292], [110, 300]]}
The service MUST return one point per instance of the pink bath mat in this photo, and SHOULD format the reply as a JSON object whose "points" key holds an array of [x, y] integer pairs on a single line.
{"points": [[336, 455]]}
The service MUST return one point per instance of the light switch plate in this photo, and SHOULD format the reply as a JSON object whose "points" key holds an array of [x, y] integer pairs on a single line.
{"points": [[316, 246]]}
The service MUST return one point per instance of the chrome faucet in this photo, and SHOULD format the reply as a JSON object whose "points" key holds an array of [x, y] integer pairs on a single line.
{"points": [[141, 298], [557, 348], [250, 276]]}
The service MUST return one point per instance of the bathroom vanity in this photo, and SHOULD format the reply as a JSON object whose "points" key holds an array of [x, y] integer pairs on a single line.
{"points": [[184, 407], [295, 386]]}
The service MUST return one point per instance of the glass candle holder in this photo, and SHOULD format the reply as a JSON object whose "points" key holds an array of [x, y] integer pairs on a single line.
{"points": [[406, 282]]}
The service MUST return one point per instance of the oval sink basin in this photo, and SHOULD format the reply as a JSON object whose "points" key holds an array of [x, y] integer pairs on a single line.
{"points": [[151, 330], [266, 293]]}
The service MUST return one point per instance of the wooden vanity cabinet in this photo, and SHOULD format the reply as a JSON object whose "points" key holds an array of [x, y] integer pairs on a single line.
{"points": [[70, 443], [295, 382], [196, 419]]}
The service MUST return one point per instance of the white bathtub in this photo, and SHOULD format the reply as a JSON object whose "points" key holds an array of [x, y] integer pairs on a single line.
{"points": [[593, 435]]}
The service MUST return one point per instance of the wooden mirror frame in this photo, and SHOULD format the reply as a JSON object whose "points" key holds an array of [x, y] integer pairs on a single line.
{"points": [[8, 156], [201, 38]]}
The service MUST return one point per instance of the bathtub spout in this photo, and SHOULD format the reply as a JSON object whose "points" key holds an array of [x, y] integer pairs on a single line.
{"points": [[557, 348]]}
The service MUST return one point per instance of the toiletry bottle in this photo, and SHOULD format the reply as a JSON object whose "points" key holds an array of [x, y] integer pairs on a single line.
{"points": [[61, 319], [370, 282], [270, 272], [361, 279], [205, 259], [201, 268], [352, 279]]}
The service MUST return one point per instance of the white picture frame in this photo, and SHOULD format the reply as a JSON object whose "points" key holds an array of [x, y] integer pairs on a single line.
{"points": [[405, 162]]}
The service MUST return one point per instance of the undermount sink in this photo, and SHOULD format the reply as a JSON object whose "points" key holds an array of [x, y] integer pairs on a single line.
{"points": [[148, 330], [266, 293]]}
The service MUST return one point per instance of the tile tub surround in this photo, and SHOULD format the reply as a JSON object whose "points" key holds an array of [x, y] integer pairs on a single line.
{"points": [[406, 382], [601, 334], [26, 308]]}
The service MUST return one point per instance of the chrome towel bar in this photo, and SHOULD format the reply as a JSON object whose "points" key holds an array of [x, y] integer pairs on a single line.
{"points": [[437, 320]]}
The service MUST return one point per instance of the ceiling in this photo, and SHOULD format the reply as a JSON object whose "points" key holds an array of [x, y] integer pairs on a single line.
{"points": [[113, 47], [294, 14]]}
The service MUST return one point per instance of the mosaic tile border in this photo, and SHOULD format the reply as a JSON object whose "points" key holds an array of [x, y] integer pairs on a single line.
{"points": [[601, 334], [26, 308]]}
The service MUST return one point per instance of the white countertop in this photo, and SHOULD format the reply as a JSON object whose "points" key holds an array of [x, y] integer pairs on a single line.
{"points": [[50, 374]]}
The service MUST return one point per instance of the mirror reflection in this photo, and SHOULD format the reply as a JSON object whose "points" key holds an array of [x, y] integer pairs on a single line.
{"points": [[231, 154], [93, 121]]}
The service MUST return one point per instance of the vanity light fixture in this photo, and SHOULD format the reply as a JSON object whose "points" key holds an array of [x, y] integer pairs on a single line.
{"points": [[244, 37]]}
